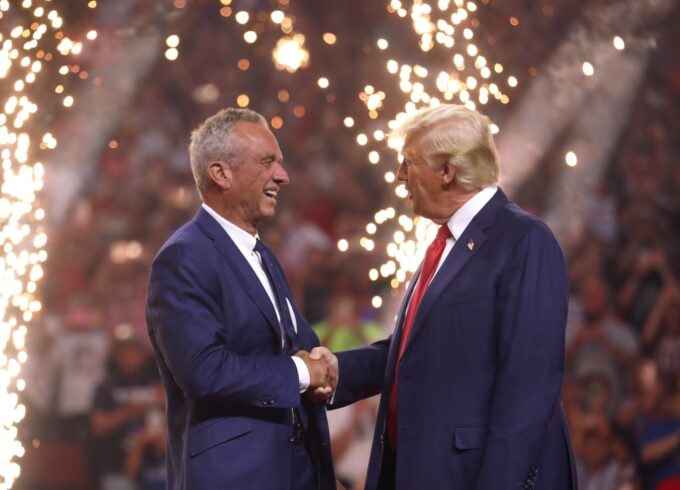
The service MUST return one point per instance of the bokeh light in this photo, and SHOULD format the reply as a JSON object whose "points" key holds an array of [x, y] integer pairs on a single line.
{"points": [[290, 53], [26, 54]]}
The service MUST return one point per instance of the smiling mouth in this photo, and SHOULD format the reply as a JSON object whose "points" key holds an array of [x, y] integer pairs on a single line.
{"points": [[271, 193]]}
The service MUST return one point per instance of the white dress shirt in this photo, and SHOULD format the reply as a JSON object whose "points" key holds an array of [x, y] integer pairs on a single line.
{"points": [[462, 218], [245, 242]]}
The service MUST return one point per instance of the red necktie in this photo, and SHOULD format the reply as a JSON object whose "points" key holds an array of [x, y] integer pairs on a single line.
{"points": [[432, 256]]}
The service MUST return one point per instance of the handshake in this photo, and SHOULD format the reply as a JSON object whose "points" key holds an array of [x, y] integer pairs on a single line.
{"points": [[323, 373]]}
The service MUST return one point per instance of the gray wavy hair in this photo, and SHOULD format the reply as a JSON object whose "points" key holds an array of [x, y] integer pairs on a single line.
{"points": [[214, 140]]}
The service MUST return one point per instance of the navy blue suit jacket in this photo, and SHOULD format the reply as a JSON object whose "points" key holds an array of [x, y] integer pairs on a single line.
{"points": [[229, 388], [478, 403]]}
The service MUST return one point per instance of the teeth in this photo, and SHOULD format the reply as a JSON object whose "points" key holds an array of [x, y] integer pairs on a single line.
{"points": [[270, 193]]}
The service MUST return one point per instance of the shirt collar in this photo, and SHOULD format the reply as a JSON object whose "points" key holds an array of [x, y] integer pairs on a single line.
{"points": [[466, 213], [243, 240]]}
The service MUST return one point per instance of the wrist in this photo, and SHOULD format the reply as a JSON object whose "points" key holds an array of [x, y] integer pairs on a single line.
{"points": [[302, 372]]}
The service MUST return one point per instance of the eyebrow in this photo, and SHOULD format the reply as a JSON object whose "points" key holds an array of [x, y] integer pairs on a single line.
{"points": [[271, 157]]}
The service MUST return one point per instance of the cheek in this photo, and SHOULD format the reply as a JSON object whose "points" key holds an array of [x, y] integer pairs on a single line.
{"points": [[415, 183], [423, 188]]}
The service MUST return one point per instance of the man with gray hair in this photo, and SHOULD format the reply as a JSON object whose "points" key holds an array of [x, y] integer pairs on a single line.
{"points": [[243, 395], [471, 377]]}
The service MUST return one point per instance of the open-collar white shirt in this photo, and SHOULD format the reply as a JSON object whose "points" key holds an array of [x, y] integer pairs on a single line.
{"points": [[245, 242], [462, 218]]}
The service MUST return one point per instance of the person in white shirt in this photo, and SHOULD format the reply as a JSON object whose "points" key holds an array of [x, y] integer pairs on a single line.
{"points": [[243, 394], [470, 379]]}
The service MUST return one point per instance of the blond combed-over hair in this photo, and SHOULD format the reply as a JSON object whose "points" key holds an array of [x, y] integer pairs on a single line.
{"points": [[453, 134]]}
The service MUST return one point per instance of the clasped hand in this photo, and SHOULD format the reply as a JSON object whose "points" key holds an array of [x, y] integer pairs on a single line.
{"points": [[323, 372]]}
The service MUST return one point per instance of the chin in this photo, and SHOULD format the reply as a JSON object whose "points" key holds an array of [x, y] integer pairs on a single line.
{"points": [[417, 209], [267, 212], [423, 213]]}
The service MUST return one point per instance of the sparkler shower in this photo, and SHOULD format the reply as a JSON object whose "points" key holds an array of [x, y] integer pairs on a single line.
{"points": [[68, 98]]}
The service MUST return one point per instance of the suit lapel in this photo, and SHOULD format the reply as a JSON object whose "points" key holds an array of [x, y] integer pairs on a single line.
{"points": [[467, 245], [238, 264], [398, 329]]}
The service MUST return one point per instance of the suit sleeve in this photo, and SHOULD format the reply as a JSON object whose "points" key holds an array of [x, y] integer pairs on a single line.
{"points": [[531, 316], [189, 331], [362, 373]]}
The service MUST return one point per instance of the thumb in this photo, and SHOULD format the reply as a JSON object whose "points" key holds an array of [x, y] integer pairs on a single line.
{"points": [[318, 353]]}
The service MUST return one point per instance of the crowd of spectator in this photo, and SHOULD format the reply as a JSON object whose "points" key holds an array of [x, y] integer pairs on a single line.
{"points": [[94, 403], [622, 387]]}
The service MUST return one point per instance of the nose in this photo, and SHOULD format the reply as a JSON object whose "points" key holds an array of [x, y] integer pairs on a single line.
{"points": [[401, 173], [280, 175]]}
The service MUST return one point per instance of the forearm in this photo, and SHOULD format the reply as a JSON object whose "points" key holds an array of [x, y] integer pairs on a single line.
{"points": [[651, 326], [654, 451], [133, 461], [190, 331], [362, 373], [628, 291], [103, 423], [261, 381]]}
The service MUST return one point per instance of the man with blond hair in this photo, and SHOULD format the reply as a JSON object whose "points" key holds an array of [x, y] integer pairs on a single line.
{"points": [[471, 377]]}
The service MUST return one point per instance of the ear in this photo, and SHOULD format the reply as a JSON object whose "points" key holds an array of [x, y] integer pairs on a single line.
{"points": [[447, 173], [220, 175]]}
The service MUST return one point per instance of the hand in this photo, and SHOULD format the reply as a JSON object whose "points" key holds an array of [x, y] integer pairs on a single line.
{"points": [[322, 353], [323, 373], [136, 410]]}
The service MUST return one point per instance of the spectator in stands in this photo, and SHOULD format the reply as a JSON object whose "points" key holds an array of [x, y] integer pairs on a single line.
{"points": [[662, 330], [660, 444], [598, 467], [352, 426], [77, 366], [647, 271], [145, 459], [123, 402], [143, 192], [601, 345], [343, 329]]}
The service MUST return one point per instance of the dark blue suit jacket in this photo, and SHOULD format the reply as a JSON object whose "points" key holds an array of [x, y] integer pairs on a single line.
{"points": [[479, 382], [229, 388]]}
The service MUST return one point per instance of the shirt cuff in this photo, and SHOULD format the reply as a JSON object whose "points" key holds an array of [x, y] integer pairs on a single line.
{"points": [[303, 373], [329, 403]]}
